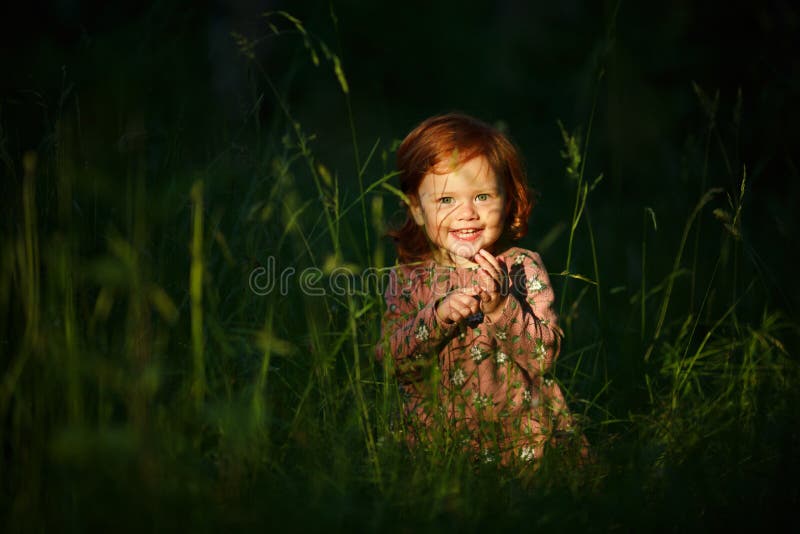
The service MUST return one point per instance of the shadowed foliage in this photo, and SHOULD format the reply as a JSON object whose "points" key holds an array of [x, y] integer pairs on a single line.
{"points": [[184, 184]]}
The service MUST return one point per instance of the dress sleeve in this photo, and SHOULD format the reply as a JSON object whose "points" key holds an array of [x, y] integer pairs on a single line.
{"points": [[527, 326], [410, 330]]}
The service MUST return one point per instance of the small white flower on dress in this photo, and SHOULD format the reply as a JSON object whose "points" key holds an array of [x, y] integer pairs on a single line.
{"points": [[519, 259], [416, 356], [548, 381], [526, 395], [481, 401], [534, 284], [501, 335], [487, 456], [459, 377], [501, 357], [477, 353], [526, 453], [422, 333], [540, 350]]}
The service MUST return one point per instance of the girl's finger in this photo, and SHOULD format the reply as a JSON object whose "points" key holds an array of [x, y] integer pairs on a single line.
{"points": [[500, 268], [467, 305], [486, 265], [488, 280], [472, 305], [493, 270], [456, 310], [488, 256], [486, 269], [485, 296], [491, 259], [469, 291], [456, 304]]}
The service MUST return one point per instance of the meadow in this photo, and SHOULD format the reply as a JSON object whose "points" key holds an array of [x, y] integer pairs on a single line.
{"points": [[151, 380]]}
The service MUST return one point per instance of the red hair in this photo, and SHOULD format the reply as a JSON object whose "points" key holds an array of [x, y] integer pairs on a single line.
{"points": [[440, 137]]}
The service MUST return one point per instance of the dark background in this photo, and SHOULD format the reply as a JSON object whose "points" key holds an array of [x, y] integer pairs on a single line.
{"points": [[174, 69], [129, 104]]}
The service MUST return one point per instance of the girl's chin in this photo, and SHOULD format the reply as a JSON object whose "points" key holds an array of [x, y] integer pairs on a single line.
{"points": [[468, 253], [463, 253]]}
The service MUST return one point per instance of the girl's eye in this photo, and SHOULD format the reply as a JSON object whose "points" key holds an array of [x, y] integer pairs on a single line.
{"points": [[446, 200], [482, 196]]}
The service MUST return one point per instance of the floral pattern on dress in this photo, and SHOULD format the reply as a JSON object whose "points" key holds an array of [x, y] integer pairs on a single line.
{"points": [[459, 377], [494, 369], [477, 354], [526, 453], [422, 333], [501, 357], [535, 284]]}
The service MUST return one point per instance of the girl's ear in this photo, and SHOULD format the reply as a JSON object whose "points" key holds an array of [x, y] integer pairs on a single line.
{"points": [[416, 211]]}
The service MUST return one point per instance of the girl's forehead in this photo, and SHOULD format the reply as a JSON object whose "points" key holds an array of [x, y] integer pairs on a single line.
{"points": [[473, 174]]}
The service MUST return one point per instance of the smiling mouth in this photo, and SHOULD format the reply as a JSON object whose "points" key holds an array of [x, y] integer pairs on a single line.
{"points": [[467, 234]]}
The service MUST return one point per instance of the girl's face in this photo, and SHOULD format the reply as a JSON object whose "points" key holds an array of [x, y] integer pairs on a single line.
{"points": [[462, 210]]}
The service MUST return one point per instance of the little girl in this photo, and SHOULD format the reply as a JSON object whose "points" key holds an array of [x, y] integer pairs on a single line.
{"points": [[469, 323]]}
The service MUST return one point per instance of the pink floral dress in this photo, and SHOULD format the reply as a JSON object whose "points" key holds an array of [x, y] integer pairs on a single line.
{"points": [[485, 382]]}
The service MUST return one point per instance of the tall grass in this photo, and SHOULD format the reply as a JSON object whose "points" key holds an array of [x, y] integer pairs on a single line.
{"points": [[145, 382]]}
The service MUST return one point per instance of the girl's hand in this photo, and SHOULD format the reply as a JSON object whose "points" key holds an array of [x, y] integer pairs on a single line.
{"points": [[493, 281], [459, 305]]}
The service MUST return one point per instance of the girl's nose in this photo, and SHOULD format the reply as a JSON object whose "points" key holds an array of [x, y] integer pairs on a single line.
{"points": [[467, 211]]}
